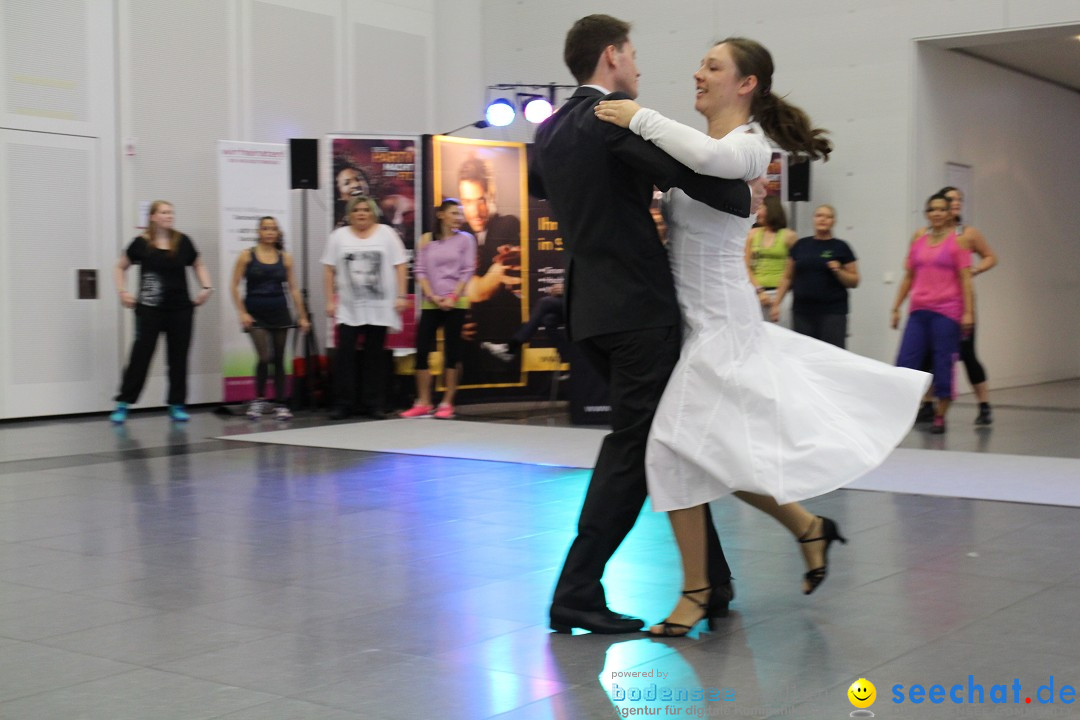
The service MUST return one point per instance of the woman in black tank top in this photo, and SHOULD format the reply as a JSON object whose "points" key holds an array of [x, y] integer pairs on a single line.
{"points": [[264, 311]]}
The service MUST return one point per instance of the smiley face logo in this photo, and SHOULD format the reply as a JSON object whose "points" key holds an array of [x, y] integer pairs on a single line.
{"points": [[862, 693]]}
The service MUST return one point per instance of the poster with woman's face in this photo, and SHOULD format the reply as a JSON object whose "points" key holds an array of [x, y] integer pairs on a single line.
{"points": [[381, 168], [386, 170]]}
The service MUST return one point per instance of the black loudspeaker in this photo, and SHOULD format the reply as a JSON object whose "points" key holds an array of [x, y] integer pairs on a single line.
{"points": [[304, 164], [798, 181]]}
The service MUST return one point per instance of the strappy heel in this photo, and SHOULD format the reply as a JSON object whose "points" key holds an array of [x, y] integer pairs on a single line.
{"points": [[829, 532], [674, 629]]}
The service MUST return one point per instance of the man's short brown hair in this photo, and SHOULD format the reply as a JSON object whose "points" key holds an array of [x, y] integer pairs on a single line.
{"points": [[586, 42]]}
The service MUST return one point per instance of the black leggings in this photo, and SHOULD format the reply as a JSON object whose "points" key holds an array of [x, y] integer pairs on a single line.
{"points": [[430, 320], [270, 346], [149, 323], [976, 373]]}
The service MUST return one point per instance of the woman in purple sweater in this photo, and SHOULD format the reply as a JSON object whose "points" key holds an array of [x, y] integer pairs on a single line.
{"points": [[445, 261]]}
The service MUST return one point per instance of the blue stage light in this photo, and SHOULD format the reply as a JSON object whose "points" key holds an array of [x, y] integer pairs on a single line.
{"points": [[537, 109], [500, 113]]}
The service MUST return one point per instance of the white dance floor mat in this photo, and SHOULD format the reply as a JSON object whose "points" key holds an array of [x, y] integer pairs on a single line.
{"points": [[982, 476], [499, 442]]}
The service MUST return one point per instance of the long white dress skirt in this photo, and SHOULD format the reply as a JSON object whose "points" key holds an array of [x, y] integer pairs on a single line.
{"points": [[780, 414]]}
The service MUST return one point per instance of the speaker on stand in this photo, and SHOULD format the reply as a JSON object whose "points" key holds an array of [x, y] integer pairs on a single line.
{"points": [[798, 183], [309, 382]]}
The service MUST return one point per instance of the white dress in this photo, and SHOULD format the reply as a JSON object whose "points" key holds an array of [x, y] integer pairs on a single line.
{"points": [[750, 405]]}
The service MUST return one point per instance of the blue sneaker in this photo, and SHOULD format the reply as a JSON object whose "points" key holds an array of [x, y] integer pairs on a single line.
{"points": [[177, 413], [119, 415]]}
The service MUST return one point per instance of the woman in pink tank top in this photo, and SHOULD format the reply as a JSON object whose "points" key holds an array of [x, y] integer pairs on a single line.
{"points": [[938, 277]]}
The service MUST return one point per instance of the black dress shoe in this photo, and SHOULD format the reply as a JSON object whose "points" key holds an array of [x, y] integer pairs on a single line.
{"points": [[721, 597], [604, 622]]}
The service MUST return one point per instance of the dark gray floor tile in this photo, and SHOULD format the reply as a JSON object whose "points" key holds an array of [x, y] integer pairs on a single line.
{"points": [[177, 589], [421, 686], [136, 695], [61, 613], [27, 669], [289, 709], [1022, 629], [17, 555], [80, 573], [157, 638], [287, 663]]}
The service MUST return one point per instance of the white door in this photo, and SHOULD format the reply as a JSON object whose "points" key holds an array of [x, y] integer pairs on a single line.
{"points": [[57, 350]]}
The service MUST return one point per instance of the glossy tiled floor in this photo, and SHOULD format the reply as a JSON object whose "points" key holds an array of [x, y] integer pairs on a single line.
{"points": [[155, 573]]}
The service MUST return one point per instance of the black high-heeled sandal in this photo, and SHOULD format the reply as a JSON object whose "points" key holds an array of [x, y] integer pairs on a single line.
{"points": [[674, 629], [829, 532]]}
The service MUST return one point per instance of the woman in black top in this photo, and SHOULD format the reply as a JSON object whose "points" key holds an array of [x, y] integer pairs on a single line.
{"points": [[162, 305], [820, 271], [267, 272]]}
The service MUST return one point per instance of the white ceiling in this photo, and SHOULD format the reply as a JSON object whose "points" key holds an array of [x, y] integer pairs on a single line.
{"points": [[1052, 54]]}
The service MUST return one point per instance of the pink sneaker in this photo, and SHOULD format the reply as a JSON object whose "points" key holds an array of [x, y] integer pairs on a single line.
{"points": [[417, 411], [445, 412]]}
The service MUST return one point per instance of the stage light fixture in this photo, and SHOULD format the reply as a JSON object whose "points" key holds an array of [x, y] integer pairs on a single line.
{"points": [[536, 102], [535, 108], [500, 112]]}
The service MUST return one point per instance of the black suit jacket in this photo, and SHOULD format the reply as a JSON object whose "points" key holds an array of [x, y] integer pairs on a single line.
{"points": [[599, 181]]}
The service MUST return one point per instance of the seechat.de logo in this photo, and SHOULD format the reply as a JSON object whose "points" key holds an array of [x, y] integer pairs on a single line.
{"points": [[862, 695]]}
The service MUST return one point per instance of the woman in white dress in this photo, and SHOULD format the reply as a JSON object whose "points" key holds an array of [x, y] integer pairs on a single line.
{"points": [[751, 407]]}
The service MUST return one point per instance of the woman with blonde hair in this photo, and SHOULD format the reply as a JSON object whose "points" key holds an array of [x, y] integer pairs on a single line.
{"points": [[364, 276], [820, 270], [162, 305]]}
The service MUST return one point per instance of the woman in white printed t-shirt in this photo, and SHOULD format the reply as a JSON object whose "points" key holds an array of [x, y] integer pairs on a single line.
{"points": [[364, 274]]}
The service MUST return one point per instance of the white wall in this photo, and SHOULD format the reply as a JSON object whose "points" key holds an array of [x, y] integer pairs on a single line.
{"points": [[175, 77], [851, 65], [1020, 136], [168, 79], [263, 71]]}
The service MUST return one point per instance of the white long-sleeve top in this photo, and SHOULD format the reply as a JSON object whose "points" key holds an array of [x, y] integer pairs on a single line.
{"points": [[738, 155]]}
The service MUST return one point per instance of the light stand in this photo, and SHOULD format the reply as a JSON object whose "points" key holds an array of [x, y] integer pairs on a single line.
{"points": [[312, 391], [478, 124]]}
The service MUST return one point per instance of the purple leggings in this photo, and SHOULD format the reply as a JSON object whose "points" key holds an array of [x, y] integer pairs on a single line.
{"points": [[932, 335]]}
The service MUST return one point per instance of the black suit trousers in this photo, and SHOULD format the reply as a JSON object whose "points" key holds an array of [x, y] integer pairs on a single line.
{"points": [[636, 365]]}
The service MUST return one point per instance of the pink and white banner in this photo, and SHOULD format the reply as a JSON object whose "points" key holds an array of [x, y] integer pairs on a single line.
{"points": [[253, 181]]}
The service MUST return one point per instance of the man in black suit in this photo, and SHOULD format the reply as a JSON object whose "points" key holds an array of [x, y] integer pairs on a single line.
{"points": [[620, 298]]}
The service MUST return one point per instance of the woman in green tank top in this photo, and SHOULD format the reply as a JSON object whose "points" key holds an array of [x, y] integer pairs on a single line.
{"points": [[767, 248]]}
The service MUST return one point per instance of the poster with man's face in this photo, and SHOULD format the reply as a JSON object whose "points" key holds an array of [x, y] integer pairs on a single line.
{"points": [[489, 179]]}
